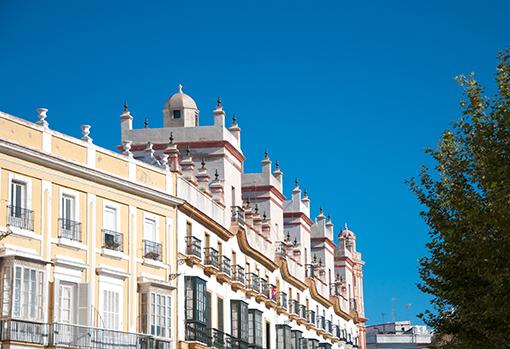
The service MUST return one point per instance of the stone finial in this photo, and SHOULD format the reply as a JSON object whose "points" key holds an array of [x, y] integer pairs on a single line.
{"points": [[188, 151], [179, 88], [296, 183], [266, 154], [346, 227], [126, 147], [305, 194], [277, 166], [216, 175], [85, 132], [234, 119], [125, 107], [203, 164], [218, 102], [146, 122], [41, 114], [171, 138]]}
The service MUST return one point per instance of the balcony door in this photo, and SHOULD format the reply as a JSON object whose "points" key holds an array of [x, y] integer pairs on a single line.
{"points": [[18, 198]]}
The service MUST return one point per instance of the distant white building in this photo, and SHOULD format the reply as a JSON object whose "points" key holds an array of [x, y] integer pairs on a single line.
{"points": [[399, 334]]}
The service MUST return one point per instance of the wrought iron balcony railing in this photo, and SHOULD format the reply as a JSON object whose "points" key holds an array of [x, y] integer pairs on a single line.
{"points": [[225, 266], [322, 322], [302, 312], [283, 300], [239, 274], [295, 307], [112, 240], [24, 331], [196, 331], [69, 229], [352, 304], [237, 214], [310, 271], [264, 287], [212, 257], [193, 246], [253, 282], [152, 250], [312, 317], [280, 249], [20, 217], [273, 294]]}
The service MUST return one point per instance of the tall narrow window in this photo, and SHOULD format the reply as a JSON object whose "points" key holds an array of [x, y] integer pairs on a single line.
{"points": [[111, 310], [233, 196], [220, 314], [283, 337], [110, 218], [151, 248], [255, 328], [28, 293], [197, 311], [18, 194], [68, 208], [239, 320], [68, 227], [67, 303], [149, 229]]}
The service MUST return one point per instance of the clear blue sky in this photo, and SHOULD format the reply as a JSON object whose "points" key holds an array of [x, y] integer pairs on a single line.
{"points": [[346, 94]]}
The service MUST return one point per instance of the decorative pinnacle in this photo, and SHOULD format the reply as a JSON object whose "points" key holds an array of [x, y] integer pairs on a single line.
{"points": [[188, 151], [179, 88], [216, 175], [234, 119], [203, 164], [126, 107], [305, 194], [264, 215], [171, 138], [146, 122], [329, 217], [296, 183], [320, 210], [266, 154], [256, 208], [346, 227], [288, 236], [277, 165], [295, 241], [315, 258], [218, 102]]}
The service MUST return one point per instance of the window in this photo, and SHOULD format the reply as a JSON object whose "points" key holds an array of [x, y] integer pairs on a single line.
{"points": [[110, 218], [28, 295], [111, 310], [197, 306], [66, 298], [176, 114], [255, 328], [220, 314], [69, 228], [239, 318], [283, 337], [156, 314], [18, 194], [19, 214], [149, 229], [295, 339]]}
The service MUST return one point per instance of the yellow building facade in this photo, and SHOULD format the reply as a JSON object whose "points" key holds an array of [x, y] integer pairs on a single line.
{"points": [[87, 243]]}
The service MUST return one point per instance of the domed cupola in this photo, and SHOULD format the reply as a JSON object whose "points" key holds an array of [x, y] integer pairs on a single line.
{"points": [[180, 111], [347, 238]]}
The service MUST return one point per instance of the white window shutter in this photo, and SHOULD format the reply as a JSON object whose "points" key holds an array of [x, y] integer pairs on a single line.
{"points": [[56, 300], [83, 305]]}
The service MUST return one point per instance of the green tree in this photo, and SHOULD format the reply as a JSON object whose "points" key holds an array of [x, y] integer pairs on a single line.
{"points": [[466, 200]]}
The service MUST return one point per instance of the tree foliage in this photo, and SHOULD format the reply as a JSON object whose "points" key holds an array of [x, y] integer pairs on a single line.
{"points": [[466, 197]]}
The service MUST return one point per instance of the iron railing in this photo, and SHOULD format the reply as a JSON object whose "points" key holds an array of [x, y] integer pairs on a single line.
{"points": [[321, 322], [239, 274], [312, 317], [69, 229], [20, 217], [283, 300], [273, 294], [112, 240], [310, 271], [253, 282], [295, 307], [302, 313], [264, 287], [152, 250], [352, 304], [225, 266], [212, 257], [280, 249], [24, 331], [193, 246], [237, 214]]}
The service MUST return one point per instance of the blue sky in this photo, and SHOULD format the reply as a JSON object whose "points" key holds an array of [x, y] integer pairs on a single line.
{"points": [[346, 95]]}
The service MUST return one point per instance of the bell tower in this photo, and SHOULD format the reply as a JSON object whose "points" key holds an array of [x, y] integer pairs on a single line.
{"points": [[180, 111]]}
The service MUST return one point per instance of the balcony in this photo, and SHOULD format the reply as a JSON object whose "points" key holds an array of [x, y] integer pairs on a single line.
{"points": [[151, 250], [238, 278], [112, 240], [65, 335], [237, 215], [69, 229], [193, 250], [272, 295], [211, 261], [225, 272], [253, 284], [264, 290], [20, 217], [352, 305], [282, 302], [197, 332], [23, 331], [281, 249]]}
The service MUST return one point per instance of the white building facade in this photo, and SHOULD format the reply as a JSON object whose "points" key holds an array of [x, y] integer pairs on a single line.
{"points": [[398, 335], [255, 270]]}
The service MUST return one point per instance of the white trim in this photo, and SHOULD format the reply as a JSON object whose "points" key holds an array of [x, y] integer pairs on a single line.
{"points": [[28, 182], [69, 263], [109, 283], [69, 243], [153, 263], [28, 234], [73, 193], [14, 250], [106, 271], [112, 253], [116, 206]]}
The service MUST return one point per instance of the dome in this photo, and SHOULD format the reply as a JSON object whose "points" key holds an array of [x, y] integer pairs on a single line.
{"points": [[346, 233], [181, 100]]}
